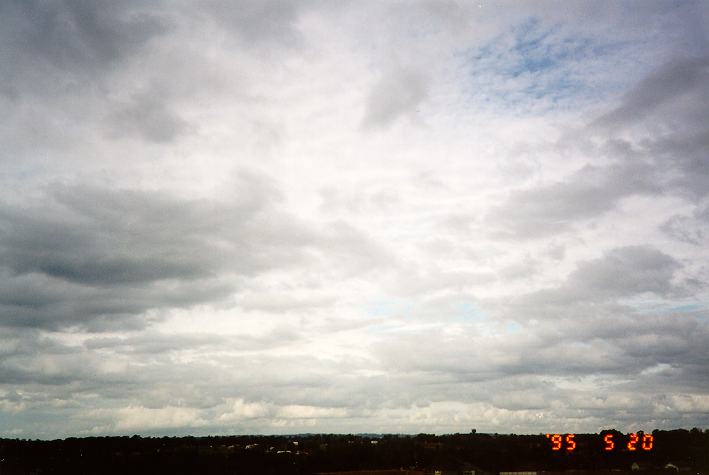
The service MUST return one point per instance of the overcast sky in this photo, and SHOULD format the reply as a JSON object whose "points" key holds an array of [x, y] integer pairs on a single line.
{"points": [[230, 217]]}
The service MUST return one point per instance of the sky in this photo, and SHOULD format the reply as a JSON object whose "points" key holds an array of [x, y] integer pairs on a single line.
{"points": [[278, 217]]}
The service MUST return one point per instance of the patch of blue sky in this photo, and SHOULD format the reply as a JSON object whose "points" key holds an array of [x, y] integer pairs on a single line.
{"points": [[701, 310], [533, 67], [512, 328], [389, 307], [533, 48], [694, 307], [386, 327], [416, 313], [469, 312]]}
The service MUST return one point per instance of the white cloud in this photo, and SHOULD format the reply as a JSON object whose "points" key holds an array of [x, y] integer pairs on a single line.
{"points": [[141, 418]]}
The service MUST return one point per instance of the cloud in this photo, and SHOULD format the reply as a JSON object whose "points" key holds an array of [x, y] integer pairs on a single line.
{"points": [[141, 418], [679, 79], [101, 257], [74, 41], [228, 218], [689, 228], [588, 193], [149, 118], [624, 271], [272, 22], [397, 94], [649, 155], [664, 114], [597, 285]]}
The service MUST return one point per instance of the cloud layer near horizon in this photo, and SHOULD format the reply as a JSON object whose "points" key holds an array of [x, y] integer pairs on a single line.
{"points": [[280, 217]]}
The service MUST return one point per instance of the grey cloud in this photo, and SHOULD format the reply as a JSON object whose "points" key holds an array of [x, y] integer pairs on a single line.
{"points": [[678, 78], [450, 15], [667, 112], [76, 38], [356, 252], [121, 237], [620, 272], [71, 79], [270, 22], [150, 118], [590, 192], [621, 322], [579, 328], [481, 366], [682, 157], [467, 367], [32, 357], [646, 341], [640, 348], [107, 306], [575, 330], [143, 365], [157, 343], [357, 202], [421, 368], [397, 93], [556, 252], [685, 228], [88, 257], [121, 67], [521, 270], [626, 271], [665, 155]]}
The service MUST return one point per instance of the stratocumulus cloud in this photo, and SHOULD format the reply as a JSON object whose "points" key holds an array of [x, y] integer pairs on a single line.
{"points": [[282, 217]]}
